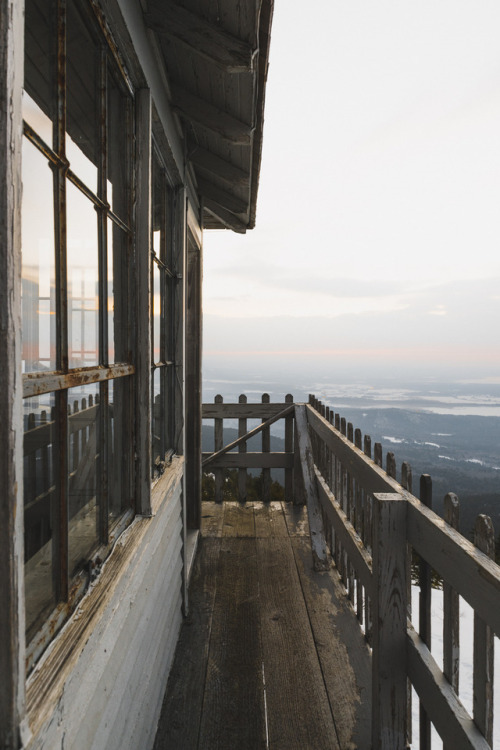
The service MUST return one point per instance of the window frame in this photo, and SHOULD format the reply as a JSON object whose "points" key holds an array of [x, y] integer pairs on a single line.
{"points": [[59, 380]]}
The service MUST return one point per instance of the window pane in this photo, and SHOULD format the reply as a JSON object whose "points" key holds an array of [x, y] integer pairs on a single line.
{"points": [[38, 272], [83, 274], [39, 107], [156, 312], [82, 147], [120, 461], [83, 450], [118, 149], [156, 421], [39, 509], [118, 298]]}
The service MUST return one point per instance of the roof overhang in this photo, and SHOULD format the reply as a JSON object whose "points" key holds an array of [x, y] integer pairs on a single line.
{"points": [[216, 56]]}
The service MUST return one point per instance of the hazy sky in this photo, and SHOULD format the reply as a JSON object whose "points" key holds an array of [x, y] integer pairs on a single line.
{"points": [[378, 218]]}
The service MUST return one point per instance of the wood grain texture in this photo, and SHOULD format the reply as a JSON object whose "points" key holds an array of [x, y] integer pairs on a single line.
{"points": [[233, 706], [342, 651], [318, 544], [389, 707], [239, 520], [181, 714], [299, 713]]}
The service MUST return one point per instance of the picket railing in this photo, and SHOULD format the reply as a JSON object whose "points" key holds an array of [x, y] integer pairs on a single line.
{"points": [[225, 457], [374, 527], [373, 524]]}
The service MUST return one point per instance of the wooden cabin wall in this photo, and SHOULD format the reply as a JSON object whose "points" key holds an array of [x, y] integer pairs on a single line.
{"points": [[113, 690]]}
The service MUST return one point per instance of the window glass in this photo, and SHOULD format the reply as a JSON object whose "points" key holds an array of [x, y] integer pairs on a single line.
{"points": [[83, 428], [119, 448], [118, 149], [156, 312], [83, 275], [39, 107], [40, 503], [118, 301], [38, 268], [82, 142], [157, 421]]}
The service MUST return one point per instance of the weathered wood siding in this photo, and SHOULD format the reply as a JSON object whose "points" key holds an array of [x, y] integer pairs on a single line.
{"points": [[111, 662]]}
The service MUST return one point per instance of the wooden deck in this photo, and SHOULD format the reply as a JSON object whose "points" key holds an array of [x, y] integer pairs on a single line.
{"points": [[271, 655]]}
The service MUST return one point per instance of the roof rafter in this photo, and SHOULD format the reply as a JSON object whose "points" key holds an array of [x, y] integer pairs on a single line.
{"points": [[225, 217], [204, 38], [217, 166], [227, 200], [206, 115]]}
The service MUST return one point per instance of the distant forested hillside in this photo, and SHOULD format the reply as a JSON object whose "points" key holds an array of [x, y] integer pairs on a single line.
{"points": [[461, 454]]}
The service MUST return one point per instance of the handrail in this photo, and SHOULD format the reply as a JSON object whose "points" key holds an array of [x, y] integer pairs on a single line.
{"points": [[357, 498]]}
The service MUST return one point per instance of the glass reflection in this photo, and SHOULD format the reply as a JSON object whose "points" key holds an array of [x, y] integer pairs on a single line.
{"points": [[83, 425], [38, 264], [83, 275], [119, 449], [82, 146], [156, 313], [118, 148], [156, 421], [40, 502], [39, 103]]}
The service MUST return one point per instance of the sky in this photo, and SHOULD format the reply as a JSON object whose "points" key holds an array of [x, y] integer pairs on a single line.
{"points": [[378, 216]]}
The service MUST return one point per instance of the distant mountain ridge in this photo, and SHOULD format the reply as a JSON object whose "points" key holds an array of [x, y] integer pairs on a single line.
{"points": [[461, 453]]}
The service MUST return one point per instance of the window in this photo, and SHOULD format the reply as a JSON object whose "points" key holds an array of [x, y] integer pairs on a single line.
{"points": [[77, 232], [163, 280]]}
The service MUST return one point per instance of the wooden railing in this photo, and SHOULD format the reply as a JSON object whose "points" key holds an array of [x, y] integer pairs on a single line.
{"points": [[374, 527], [224, 456]]}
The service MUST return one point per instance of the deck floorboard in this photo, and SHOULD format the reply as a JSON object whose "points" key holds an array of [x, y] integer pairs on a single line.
{"points": [[270, 655]]}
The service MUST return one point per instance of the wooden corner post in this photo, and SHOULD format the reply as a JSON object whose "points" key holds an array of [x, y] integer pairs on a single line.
{"points": [[389, 602], [12, 643]]}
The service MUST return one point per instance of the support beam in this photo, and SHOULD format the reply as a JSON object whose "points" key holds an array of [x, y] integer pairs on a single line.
{"points": [[204, 114], [224, 216], [225, 199], [204, 38], [143, 301], [218, 167], [12, 640]]}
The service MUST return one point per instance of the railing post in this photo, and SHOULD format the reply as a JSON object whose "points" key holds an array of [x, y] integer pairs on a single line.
{"points": [[289, 449], [425, 575], [389, 683], [242, 473], [484, 539], [266, 447], [218, 443]]}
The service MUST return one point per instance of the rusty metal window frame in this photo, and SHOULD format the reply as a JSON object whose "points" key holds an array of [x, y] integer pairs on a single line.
{"points": [[165, 366], [60, 380]]}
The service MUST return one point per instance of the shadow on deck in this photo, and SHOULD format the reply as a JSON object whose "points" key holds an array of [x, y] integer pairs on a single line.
{"points": [[271, 655]]}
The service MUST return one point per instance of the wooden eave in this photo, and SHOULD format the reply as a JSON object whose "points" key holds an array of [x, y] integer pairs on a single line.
{"points": [[216, 59]]}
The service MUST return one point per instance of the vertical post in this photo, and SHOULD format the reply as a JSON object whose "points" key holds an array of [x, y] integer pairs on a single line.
{"points": [[389, 683], [12, 640], [218, 443], [266, 447], [451, 611], [242, 448], [484, 539], [143, 301], [425, 609], [193, 370], [289, 449]]}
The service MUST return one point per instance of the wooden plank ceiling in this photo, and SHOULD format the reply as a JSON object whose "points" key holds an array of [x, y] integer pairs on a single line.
{"points": [[216, 55]]}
